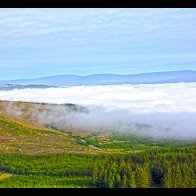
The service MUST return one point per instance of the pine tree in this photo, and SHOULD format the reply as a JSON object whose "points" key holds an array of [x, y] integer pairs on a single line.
{"points": [[142, 176], [95, 175], [168, 177], [117, 183], [124, 182], [132, 183], [110, 178]]}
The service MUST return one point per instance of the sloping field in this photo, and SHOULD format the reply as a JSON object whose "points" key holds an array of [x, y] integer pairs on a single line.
{"points": [[17, 137]]}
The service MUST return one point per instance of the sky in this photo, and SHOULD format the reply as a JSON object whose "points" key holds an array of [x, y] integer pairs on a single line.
{"points": [[43, 42]]}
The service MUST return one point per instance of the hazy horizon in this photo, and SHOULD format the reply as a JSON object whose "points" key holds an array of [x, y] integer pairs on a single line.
{"points": [[98, 74]]}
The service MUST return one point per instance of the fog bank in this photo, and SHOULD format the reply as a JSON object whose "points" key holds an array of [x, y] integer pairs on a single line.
{"points": [[158, 110]]}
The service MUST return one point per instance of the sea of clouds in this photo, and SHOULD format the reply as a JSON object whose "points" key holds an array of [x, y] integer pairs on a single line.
{"points": [[158, 110]]}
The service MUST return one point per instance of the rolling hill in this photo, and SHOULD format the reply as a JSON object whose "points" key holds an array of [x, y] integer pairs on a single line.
{"points": [[110, 79], [20, 135], [17, 137]]}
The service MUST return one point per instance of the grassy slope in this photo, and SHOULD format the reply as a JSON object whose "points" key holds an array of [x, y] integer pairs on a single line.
{"points": [[16, 137]]}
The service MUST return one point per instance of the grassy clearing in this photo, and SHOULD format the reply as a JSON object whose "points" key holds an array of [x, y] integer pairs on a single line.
{"points": [[32, 181]]}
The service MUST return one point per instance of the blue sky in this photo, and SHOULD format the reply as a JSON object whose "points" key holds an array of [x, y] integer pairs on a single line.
{"points": [[43, 42]]}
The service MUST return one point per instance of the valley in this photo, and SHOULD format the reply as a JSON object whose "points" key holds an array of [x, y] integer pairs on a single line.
{"points": [[36, 155], [97, 98]]}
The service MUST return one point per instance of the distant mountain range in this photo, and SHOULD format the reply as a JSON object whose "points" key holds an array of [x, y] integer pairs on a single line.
{"points": [[7, 87], [110, 79]]}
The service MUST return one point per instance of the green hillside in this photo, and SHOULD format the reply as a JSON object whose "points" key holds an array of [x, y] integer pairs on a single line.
{"points": [[16, 137]]}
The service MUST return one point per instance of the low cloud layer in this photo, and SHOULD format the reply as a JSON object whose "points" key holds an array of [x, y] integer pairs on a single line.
{"points": [[158, 110]]}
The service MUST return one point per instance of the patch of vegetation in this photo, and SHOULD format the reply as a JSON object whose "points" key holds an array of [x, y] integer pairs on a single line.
{"points": [[124, 142], [48, 170], [171, 168], [22, 181], [49, 164]]}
